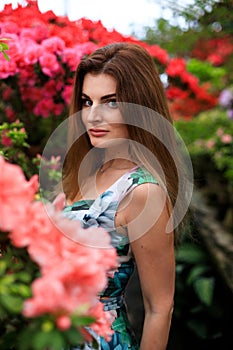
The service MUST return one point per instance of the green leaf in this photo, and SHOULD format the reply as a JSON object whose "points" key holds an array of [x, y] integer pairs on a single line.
{"points": [[12, 303], [6, 56], [196, 272], [3, 47], [204, 288], [74, 336], [21, 289], [8, 279], [52, 340], [82, 320], [199, 328], [24, 276], [3, 267], [191, 253]]}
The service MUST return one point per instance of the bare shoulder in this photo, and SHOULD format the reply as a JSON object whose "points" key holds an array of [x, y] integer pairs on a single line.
{"points": [[143, 208], [147, 217], [143, 192], [146, 197]]}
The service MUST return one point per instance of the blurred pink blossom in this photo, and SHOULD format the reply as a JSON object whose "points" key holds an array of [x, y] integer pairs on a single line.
{"points": [[63, 322], [6, 140], [32, 52], [49, 64], [44, 107], [6, 95], [226, 138], [10, 113], [8, 68], [219, 132], [16, 193], [53, 45], [210, 144], [66, 94], [103, 320], [71, 56]]}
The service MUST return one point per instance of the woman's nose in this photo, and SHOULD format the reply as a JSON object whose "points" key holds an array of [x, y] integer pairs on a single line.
{"points": [[94, 114]]}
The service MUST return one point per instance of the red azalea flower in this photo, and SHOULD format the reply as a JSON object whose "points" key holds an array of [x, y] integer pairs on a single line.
{"points": [[176, 67]]}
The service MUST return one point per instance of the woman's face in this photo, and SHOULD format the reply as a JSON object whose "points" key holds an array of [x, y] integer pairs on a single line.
{"points": [[101, 115]]}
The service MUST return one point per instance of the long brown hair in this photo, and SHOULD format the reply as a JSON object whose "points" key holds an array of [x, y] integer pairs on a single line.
{"points": [[144, 107]]}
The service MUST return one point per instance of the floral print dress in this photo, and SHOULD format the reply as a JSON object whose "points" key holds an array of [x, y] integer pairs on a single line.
{"points": [[101, 213]]}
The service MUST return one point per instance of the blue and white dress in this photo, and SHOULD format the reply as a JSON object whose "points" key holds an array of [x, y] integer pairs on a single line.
{"points": [[101, 213]]}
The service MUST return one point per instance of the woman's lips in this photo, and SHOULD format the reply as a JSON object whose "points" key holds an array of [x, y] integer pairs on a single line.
{"points": [[98, 132]]}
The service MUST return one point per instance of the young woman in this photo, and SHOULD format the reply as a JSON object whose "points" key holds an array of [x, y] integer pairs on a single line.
{"points": [[122, 173]]}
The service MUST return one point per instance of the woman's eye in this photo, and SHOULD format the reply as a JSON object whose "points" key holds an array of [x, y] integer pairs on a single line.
{"points": [[112, 104], [86, 103]]}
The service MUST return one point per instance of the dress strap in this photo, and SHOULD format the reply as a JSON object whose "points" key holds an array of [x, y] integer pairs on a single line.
{"points": [[136, 177]]}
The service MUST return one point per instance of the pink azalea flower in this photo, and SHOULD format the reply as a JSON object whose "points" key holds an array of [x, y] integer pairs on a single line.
{"points": [[104, 321], [210, 144], [50, 88], [71, 56], [8, 68], [15, 194], [48, 297], [9, 27], [49, 64], [10, 113], [53, 45], [226, 138], [66, 93], [159, 53], [6, 95], [15, 49], [30, 224], [63, 322], [67, 280], [191, 80], [28, 78], [58, 108], [32, 53], [44, 107], [176, 67], [215, 59], [6, 140]]}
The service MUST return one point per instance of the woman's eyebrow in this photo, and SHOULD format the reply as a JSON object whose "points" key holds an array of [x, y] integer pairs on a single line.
{"points": [[86, 96], [105, 97]]}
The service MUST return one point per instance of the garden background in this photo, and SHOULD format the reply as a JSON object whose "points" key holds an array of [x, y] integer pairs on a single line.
{"points": [[39, 54]]}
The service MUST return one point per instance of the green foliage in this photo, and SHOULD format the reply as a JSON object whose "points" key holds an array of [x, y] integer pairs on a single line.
{"points": [[197, 303], [14, 146], [210, 136], [203, 19], [166, 35], [4, 47], [206, 72]]}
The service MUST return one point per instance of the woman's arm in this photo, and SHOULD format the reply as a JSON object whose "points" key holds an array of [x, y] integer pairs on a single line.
{"points": [[147, 216]]}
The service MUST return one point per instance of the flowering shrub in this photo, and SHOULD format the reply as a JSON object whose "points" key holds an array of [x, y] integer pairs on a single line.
{"points": [[215, 50], [44, 51], [210, 135], [187, 97], [48, 288], [14, 146], [220, 148], [209, 140]]}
